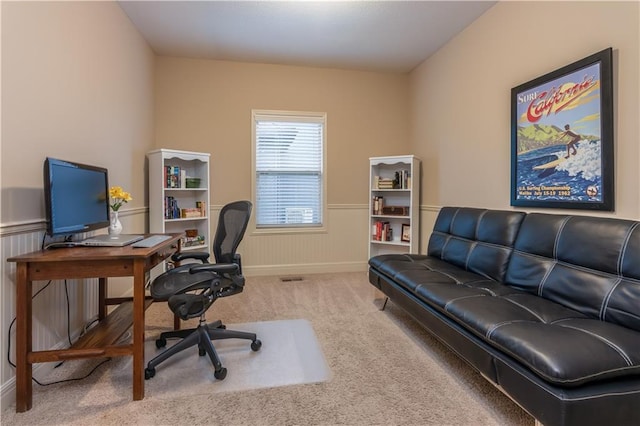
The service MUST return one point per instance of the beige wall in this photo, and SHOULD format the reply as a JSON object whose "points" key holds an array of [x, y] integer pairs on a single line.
{"points": [[206, 106], [461, 95], [77, 84]]}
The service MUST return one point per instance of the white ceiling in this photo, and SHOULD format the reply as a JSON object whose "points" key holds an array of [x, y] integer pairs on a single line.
{"points": [[391, 36]]}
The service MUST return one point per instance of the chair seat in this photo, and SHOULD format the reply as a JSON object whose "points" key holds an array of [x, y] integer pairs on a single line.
{"points": [[179, 280], [188, 306]]}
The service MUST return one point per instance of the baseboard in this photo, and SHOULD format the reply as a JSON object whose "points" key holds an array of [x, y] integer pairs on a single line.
{"points": [[297, 269], [8, 392]]}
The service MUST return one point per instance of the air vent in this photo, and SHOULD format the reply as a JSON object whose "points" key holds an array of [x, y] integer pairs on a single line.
{"points": [[288, 279]]}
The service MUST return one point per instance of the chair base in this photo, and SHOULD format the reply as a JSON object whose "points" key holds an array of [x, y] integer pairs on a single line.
{"points": [[203, 335]]}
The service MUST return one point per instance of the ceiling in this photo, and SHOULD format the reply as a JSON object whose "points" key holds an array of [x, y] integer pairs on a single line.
{"points": [[390, 36]]}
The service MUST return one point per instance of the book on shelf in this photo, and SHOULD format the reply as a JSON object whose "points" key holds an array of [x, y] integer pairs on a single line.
{"points": [[383, 183], [403, 179], [174, 177], [183, 178], [190, 212], [202, 206], [395, 210], [382, 231], [198, 240], [198, 211], [377, 204], [171, 208]]}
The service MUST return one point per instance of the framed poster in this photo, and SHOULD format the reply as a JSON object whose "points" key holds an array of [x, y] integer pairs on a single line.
{"points": [[562, 137]]}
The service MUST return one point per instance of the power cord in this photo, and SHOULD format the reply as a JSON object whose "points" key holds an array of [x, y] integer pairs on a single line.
{"points": [[67, 241], [86, 327]]}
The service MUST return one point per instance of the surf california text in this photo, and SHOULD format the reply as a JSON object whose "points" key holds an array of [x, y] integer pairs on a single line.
{"points": [[556, 99]]}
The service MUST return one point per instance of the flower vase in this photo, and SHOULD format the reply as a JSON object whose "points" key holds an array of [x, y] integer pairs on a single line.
{"points": [[115, 227]]}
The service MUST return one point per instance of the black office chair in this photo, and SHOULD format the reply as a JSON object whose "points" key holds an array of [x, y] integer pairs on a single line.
{"points": [[190, 289]]}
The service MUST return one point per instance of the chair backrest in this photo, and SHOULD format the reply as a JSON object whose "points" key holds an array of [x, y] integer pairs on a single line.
{"points": [[232, 223]]}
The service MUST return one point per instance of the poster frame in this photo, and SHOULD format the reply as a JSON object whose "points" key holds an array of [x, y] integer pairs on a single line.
{"points": [[523, 194]]}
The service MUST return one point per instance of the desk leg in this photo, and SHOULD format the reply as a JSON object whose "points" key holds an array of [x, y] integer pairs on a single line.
{"points": [[102, 298], [24, 341], [138, 329]]}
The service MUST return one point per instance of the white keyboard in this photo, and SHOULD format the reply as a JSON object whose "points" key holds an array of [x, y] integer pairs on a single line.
{"points": [[151, 241]]}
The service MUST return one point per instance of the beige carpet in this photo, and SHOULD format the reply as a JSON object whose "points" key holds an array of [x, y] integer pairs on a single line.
{"points": [[385, 370]]}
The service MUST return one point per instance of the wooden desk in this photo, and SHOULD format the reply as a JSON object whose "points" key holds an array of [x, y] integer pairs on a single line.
{"points": [[100, 341]]}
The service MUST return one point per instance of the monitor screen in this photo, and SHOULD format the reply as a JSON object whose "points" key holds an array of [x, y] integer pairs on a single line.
{"points": [[76, 197]]}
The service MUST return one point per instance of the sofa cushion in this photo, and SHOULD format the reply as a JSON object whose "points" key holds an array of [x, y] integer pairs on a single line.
{"points": [[585, 263], [561, 345], [571, 352], [475, 240], [413, 270]]}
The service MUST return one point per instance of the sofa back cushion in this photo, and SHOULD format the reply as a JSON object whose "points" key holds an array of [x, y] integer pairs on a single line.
{"points": [[477, 240], [588, 264]]}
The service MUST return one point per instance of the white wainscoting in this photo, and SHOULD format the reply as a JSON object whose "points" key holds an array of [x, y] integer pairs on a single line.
{"points": [[49, 309], [49, 321]]}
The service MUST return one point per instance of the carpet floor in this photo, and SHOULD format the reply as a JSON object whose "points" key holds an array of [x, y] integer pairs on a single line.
{"points": [[382, 369]]}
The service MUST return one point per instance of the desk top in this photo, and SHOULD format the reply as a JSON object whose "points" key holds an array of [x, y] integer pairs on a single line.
{"points": [[72, 254]]}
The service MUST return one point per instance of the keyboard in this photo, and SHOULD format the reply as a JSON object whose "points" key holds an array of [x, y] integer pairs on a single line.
{"points": [[151, 241]]}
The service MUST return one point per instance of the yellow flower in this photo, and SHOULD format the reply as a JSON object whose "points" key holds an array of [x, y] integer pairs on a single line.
{"points": [[118, 197]]}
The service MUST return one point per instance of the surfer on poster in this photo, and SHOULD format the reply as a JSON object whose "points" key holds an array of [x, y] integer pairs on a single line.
{"points": [[575, 138]]}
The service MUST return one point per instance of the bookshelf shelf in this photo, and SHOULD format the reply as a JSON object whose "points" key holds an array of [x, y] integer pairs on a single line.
{"points": [[394, 188], [184, 219], [391, 243], [390, 216]]}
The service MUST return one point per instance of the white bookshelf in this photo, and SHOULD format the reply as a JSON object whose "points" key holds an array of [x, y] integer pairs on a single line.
{"points": [[170, 199], [394, 190]]}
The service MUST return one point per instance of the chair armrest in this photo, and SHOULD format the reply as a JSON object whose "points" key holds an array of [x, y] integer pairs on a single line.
{"points": [[202, 256], [218, 268]]}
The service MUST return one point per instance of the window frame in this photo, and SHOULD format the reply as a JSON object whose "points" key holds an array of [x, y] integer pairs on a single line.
{"points": [[302, 116]]}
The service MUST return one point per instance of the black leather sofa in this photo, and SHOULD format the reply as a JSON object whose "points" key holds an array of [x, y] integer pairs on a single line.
{"points": [[546, 307]]}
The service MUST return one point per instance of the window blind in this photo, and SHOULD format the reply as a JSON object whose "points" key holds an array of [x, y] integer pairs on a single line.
{"points": [[289, 170]]}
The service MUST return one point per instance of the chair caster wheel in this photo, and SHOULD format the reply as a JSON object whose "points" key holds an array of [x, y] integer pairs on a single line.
{"points": [[161, 342], [201, 352], [149, 373], [220, 374], [256, 345]]}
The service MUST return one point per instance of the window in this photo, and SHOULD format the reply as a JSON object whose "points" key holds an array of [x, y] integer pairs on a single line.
{"points": [[288, 162]]}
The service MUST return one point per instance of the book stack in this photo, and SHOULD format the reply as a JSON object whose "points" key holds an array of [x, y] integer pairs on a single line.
{"points": [[403, 179], [382, 231], [198, 240], [192, 212], [174, 177], [377, 204], [198, 211], [384, 183], [171, 208]]}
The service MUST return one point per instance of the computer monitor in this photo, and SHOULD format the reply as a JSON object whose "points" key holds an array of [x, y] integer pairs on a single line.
{"points": [[76, 197]]}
